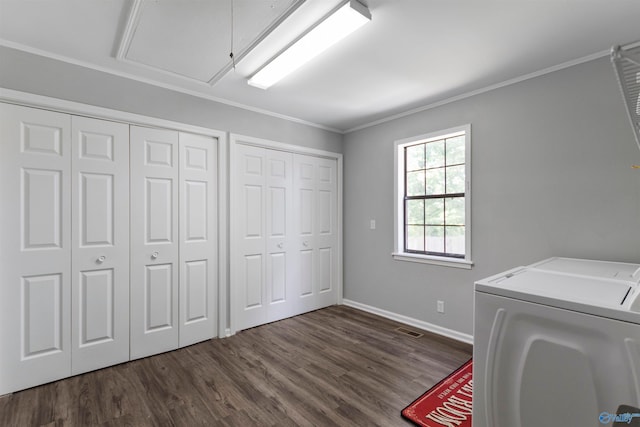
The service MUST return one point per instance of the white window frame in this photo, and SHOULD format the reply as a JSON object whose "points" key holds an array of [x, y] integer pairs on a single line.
{"points": [[398, 193]]}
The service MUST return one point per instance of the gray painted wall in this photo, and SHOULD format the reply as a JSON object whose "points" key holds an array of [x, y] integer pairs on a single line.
{"points": [[551, 176], [34, 74]]}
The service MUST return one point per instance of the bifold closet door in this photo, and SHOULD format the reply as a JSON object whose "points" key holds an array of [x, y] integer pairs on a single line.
{"points": [[35, 247], [100, 243], [262, 266], [280, 279], [198, 238], [154, 241], [316, 233]]}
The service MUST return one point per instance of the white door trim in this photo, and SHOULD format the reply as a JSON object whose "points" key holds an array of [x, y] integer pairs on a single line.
{"points": [[26, 99], [234, 140]]}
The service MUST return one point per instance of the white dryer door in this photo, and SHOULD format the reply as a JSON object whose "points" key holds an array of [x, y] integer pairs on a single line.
{"points": [[536, 365]]}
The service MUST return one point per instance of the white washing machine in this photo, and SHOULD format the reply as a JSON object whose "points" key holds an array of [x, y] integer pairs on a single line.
{"points": [[556, 343]]}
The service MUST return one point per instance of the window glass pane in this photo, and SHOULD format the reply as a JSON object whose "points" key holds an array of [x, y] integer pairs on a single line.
{"points": [[415, 238], [415, 212], [435, 154], [434, 211], [435, 181], [455, 179], [434, 187], [415, 183], [454, 211], [455, 240], [435, 239], [455, 150], [415, 157]]}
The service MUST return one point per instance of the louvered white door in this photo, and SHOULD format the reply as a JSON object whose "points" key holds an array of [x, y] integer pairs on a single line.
{"points": [[100, 243], [35, 247], [198, 255], [154, 241], [315, 205]]}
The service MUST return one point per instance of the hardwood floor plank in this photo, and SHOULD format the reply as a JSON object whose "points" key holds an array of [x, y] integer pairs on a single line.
{"points": [[333, 367]]}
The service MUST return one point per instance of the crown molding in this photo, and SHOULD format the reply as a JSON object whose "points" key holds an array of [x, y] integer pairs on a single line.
{"points": [[485, 89], [152, 82]]}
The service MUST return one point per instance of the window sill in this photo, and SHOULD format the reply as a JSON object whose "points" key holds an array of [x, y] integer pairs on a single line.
{"points": [[435, 260]]}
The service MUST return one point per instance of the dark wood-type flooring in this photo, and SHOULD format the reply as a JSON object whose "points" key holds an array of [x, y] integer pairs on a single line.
{"points": [[333, 367]]}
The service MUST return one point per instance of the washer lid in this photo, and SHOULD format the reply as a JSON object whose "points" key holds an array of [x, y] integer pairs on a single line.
{"points": [[566, 287], [613, 297], [604, 269]]}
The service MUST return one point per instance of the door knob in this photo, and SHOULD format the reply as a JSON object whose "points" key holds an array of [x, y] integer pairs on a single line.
{"points": [[154, 255], [100, 259], [305, 244], [280, 245]]}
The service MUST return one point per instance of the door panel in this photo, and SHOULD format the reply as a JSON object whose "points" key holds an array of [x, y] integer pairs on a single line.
{"points": [[306, 272], [278, 205], [41, 314], [304, 207], [100, 243], [279, 281], [326, 231], [253, 211], [96, 209], [198, 238], [325, 284], [35, 247], [42, 208], [305, 212], [253, 274], [97, 311], [197, 291], [158, 302], [324, 210], [248, 242], [196, 209], [158, 215], [315, 203], [154, 241]]}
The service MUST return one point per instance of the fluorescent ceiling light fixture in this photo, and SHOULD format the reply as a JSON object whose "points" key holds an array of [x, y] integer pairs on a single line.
{"points": [[336, 26]]}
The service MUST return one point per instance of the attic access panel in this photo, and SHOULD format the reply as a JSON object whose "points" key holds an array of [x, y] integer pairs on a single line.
{"points": [[192, 39], [626, 61]]}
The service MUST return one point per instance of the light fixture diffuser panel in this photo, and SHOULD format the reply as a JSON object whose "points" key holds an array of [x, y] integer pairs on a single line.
{"points": [[331, 30]]}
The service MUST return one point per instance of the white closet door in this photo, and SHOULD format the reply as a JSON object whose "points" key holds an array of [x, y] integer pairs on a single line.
{"points": [[326, 235], [154, 241], [248, 267], [100, 244], [263, 271], [315, 205], [35, 247], [198, 255], [279, 280]]}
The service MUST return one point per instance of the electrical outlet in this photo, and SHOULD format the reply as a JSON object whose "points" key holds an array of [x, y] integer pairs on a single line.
{"points": [[372, 224], [440, 306]]}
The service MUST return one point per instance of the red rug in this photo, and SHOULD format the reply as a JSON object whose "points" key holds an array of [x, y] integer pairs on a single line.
{"points": [[448, 403]]}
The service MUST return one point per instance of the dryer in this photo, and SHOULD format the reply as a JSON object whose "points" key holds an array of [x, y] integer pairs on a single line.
{"points": [[556, 343]]}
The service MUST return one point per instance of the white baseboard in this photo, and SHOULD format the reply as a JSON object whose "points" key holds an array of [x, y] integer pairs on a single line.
{"points": [[450, 333]]}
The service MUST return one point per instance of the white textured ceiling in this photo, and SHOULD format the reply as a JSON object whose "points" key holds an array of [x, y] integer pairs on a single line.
{"points": [[413, 52]]}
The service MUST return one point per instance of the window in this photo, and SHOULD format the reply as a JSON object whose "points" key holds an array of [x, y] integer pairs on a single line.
{"points": [[433, 198]]}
